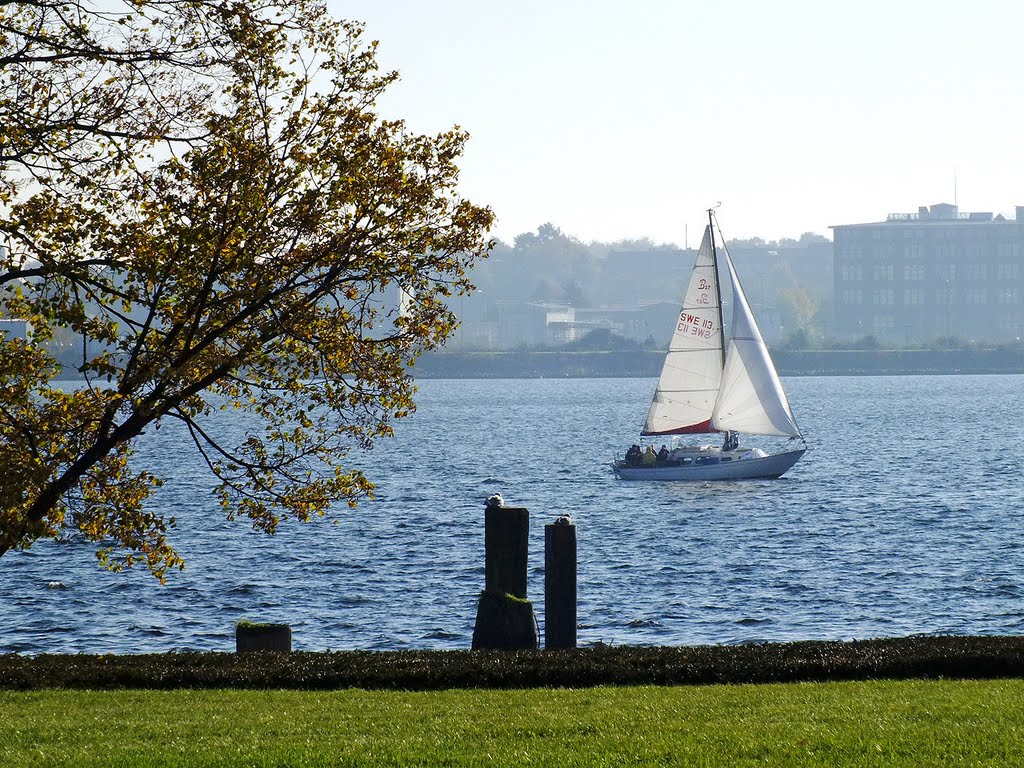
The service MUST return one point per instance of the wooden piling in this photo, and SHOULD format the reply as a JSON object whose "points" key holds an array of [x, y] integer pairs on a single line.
{"points": [[505, 619], [262, 637], [560, 584]]}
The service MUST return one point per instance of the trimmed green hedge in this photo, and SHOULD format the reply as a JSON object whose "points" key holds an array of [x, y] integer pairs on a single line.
{"points": [[899, 658]]}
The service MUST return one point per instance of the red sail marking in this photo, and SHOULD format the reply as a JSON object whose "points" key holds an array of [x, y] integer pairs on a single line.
{"points": [[703, 428]]}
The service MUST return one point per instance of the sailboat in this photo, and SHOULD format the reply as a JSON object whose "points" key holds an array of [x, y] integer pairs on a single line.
{"points": [[709, 385]]}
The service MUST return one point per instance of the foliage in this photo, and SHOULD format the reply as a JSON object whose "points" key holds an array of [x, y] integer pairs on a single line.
{"points": [[850, 724], [799, 310], [951, 342], [895, 658], [548, 266], [259, 626], [863, 343], [203, 195], [797, 340], [553, 267], [805, 240]]}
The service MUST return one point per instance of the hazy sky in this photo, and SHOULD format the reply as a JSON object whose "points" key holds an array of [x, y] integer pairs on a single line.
{"points": [[628, 119]]}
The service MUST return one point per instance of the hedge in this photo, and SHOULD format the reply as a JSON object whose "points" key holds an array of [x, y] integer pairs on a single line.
{"points": [[899, 658]]}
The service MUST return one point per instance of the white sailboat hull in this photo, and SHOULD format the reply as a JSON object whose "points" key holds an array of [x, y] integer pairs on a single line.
{"points": [[764, 467]]}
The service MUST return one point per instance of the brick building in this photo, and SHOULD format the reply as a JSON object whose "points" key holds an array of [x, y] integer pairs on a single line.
{"points": [[936, 273]]}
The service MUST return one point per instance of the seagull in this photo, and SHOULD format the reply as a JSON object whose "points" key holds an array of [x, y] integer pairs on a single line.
{"points": [[496, 501]]}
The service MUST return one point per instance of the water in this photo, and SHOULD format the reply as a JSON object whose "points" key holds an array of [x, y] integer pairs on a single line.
{"points": [[901, 519]]}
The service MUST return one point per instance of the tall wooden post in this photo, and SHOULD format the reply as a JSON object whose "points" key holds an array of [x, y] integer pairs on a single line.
{"points": [[560, 584], [504, 617], [506, 547]]}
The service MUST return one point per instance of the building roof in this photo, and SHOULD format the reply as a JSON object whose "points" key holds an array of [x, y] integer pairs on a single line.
{"points": [[938, 214]]}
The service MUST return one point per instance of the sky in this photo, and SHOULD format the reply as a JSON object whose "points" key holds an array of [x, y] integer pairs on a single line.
{"points": [[625, 120]]}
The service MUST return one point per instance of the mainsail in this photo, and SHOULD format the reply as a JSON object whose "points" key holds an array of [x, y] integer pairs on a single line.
{"points": [[688, 386]]}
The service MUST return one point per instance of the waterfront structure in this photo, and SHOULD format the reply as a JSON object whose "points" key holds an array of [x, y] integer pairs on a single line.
{"points": [[917, 277], [534, 323]]}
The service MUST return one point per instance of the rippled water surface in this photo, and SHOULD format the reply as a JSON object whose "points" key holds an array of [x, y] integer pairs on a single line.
{"points": [[904, 517]]}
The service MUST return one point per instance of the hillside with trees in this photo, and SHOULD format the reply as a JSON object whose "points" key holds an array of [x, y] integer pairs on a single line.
{"points": [[789, 281]]}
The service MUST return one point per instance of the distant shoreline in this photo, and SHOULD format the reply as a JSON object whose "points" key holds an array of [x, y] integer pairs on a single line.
{"points": [[647, 363]]}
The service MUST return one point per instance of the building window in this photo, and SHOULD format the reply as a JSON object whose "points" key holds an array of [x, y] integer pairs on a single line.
{"points": [[913, 271], [883, 296], [851, 272], [976, 296], [1007, 251], [976, 271], [853, 296], [913, 296], [883, 322], [947, 271], [1008, 296], [882, 272], [1008, 271], [944, 295]]}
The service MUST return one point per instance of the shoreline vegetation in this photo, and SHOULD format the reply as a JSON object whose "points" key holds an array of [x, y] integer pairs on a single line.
{"points": [[646, 363], [919, 657]]}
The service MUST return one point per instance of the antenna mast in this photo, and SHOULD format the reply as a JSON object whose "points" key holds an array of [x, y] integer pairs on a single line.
{"points": [[718, 277]]}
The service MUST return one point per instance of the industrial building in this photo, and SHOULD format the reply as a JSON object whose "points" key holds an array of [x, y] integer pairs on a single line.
{"points": [[917, 277]]}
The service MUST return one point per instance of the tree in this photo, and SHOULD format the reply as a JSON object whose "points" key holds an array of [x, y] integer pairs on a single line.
{"points": [[203, 194], [562, 268], [799, 309], [604, 340], [752, 243], [806, 239], [798, 340], [810, 238]]}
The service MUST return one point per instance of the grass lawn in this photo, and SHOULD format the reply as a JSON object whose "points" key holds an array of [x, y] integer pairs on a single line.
{"points": [[926, 723]]}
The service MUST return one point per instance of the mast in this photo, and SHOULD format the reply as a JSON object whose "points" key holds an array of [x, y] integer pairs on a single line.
{"points": [[718, 278]]}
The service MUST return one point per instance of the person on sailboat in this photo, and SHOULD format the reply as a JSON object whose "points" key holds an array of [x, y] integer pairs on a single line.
{"points": [[650, 457], [633, 455], [732, 440], [663, 454]]}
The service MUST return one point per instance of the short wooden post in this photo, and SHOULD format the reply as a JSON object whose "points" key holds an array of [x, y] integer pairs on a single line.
{"points": [[250, 636], [505, 618], [560, 584]]}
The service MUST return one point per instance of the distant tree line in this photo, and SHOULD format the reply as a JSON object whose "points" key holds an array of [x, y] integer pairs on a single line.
{"points": [[551, 266]]}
